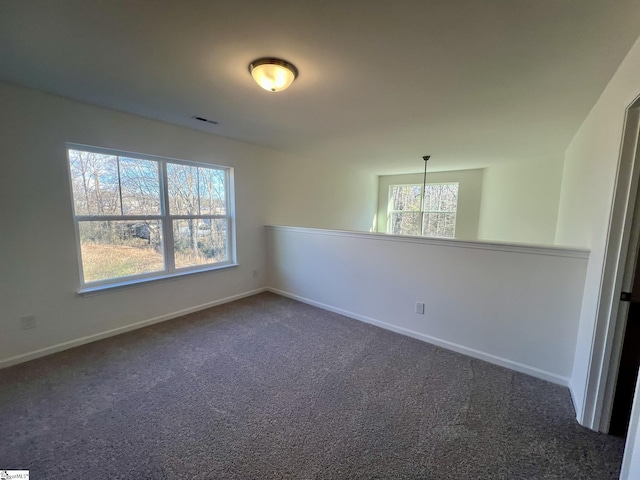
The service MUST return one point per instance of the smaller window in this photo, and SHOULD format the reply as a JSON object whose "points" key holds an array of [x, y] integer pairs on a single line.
{"points": [[436, 218]]}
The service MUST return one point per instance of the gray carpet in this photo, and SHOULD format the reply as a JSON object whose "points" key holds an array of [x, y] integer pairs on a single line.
{"points": [[269, 388]]}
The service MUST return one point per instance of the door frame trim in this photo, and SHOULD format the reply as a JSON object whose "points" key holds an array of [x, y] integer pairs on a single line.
{"points": [[607, 335]]}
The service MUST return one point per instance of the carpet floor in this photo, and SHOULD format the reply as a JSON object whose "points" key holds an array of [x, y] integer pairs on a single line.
{"points": [[270, 388]]}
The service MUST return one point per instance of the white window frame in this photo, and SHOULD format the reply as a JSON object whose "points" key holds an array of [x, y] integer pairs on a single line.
{"points": [[170, 270], [391, 211]]}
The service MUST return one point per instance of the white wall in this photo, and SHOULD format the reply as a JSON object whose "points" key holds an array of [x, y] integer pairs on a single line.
{"points": [[469, 195], [520, 201], [515, 306], [590, 166], [309, 193], [38, 262]]}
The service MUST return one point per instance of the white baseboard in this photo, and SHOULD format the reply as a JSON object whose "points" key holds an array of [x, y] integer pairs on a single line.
{"points": [[487, 357], [535, 372], [7, 362]]}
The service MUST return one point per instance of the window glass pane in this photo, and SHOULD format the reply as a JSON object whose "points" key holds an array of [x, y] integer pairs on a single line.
{"points": [[432, 198], [200, 241], [439, 225], [182, 182], [211, 182], [112, 249], [441, 198], [95, 183], [405, 223], [140, 185], [405, 197]]}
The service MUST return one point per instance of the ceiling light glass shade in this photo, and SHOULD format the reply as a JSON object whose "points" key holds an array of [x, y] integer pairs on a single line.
{"points": [[273, 74]]}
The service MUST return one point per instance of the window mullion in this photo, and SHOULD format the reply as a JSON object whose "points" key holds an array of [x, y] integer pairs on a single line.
{"points": [[115, 218], [167, 224], [199, 217], [120, 185]]}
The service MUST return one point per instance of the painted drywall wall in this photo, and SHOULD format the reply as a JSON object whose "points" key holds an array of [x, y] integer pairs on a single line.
{"points": [[308, 193], [590, 166], [515, 306], [38, 262], [520, 201], [469, 196]]}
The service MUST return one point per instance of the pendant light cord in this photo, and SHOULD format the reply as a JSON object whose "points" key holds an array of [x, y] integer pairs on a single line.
{"points": [[424, 191]]}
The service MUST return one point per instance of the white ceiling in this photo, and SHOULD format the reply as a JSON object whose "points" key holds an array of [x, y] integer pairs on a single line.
{"points": [[381, 83]]}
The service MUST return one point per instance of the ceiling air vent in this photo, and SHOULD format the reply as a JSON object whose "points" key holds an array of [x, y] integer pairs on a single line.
{"points": [[206, 120]]}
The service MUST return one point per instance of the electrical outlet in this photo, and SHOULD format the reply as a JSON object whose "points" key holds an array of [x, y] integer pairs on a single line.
{"points": [[420, 308], [27, 322]]}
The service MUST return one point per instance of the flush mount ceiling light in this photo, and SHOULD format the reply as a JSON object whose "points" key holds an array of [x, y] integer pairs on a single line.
{"points": [[273, 74]]}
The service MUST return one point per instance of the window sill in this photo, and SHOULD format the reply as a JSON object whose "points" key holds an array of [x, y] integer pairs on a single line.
{"points": [[139, 282]]}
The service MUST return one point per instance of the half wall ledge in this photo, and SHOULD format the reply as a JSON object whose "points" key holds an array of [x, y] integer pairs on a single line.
{"points": [[548, 250]]}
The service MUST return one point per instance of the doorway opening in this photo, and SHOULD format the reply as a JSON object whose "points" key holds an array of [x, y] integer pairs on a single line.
{"points": [[622, 273]]}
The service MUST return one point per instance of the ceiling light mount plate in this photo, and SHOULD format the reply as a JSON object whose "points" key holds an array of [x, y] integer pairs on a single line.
{"points": [[273, 74]]}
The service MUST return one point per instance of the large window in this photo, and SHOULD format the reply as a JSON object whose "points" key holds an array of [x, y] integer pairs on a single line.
{"points": [[437, 219], [140, 217]]}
